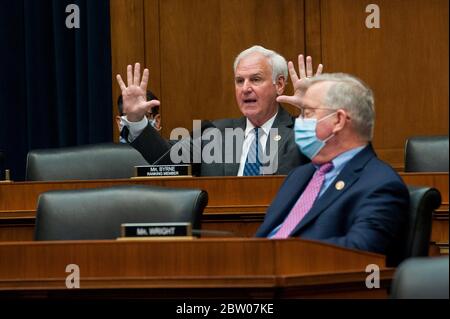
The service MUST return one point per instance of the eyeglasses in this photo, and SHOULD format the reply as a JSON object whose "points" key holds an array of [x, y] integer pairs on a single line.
{"points": [[308, 112]]}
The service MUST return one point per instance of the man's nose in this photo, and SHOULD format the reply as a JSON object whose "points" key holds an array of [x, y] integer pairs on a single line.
{"points": [[247, 87]]}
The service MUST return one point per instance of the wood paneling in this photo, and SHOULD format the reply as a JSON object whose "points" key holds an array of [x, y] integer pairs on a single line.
{"points": [[236, 204], [127, 42], [199, 41], [405, 62], [17, 232], [439, 234], [226, 194], [313, 30], [214, 267], [152, 45], [189, 47]]}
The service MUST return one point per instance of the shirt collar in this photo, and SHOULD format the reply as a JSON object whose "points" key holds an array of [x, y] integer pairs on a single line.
{"points": [[343, 158], [265, 127]]}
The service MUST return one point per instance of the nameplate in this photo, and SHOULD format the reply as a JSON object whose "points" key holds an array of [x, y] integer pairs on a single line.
{"points": [[163, 170], [156, 230]]}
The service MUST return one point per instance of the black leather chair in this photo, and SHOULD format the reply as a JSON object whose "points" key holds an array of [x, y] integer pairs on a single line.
{"points": [[423, 202], [94, 161], [98, 213], [426, 154], [422, 278]]}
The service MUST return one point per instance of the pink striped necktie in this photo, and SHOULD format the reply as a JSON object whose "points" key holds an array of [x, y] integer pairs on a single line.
{"points": [[305, 202]]}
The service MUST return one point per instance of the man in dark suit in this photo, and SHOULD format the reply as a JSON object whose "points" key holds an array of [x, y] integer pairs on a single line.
{"points": [[346, 195], [260, 77], [153, 116]]}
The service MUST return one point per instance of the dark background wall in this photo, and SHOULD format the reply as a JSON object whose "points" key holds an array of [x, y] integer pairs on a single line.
{"points": [[56, 82]]}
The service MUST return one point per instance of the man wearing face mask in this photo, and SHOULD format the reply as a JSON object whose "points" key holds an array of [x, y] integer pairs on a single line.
{"points": [[346, 196], [153, 117]]}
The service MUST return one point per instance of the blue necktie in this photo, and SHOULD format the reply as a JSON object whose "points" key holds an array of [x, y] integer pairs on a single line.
{"points": [[253, 164]]}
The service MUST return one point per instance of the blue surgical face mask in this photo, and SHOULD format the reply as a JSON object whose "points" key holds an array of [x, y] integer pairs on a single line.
{"points": [[306, 137]]}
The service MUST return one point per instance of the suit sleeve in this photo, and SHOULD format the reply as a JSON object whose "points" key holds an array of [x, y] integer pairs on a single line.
{"points": [[379, 220], [151, 144]]}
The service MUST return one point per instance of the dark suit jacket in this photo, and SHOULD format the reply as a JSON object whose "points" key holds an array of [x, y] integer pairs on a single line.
{"points": [[369, 213], [152, 146]]}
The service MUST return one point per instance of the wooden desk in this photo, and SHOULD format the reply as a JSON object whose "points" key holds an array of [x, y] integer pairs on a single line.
{"points": [[203, 268], [236, 204]]}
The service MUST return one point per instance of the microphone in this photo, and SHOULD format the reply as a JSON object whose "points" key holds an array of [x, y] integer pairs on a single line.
{"points": [[186, 142]]}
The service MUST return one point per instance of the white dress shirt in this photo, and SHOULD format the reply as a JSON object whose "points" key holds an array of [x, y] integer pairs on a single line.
{"points": [[250, 136], [135, 128]]}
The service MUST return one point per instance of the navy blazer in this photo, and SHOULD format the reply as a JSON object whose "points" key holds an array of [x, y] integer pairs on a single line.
{"points": [[369, 213]]}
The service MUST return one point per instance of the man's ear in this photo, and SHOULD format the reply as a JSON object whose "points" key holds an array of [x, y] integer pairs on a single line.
{"points": [[342, 119], [157, 121], [280, 84]]}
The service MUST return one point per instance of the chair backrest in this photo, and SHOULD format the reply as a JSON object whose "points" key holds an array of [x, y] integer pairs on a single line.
{"points": [[423, 202], [98, 213], [94, 161], [421, 278], [426, 154]]}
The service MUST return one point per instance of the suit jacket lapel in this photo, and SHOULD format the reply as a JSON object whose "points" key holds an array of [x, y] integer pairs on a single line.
{"points": [[293, 194], [349, 175], [280, 133], [231, 169], [284, 123], [286, 199]]}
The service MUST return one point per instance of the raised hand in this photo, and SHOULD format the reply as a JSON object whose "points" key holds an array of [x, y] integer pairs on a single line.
{"points": [[135, 104], [298, 82]]}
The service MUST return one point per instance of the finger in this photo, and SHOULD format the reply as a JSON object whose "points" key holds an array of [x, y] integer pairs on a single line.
{"points": [[151, 104], [144, 81], [121, 83], [129, 75], [301, 66], [137, 74], [292, 100], [319, 69], [292, 72], [309, 67]]}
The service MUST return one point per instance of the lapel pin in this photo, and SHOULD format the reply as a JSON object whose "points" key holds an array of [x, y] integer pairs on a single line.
{"points": [[340, 185], [277, 137]]}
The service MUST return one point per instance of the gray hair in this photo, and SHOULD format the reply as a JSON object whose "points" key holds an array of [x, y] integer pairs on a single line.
{"points": [[278, 62], [354, 96]]}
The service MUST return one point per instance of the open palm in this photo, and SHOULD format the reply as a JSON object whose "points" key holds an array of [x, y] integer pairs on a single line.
{"points": [[298, 82], [135, 104]]}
